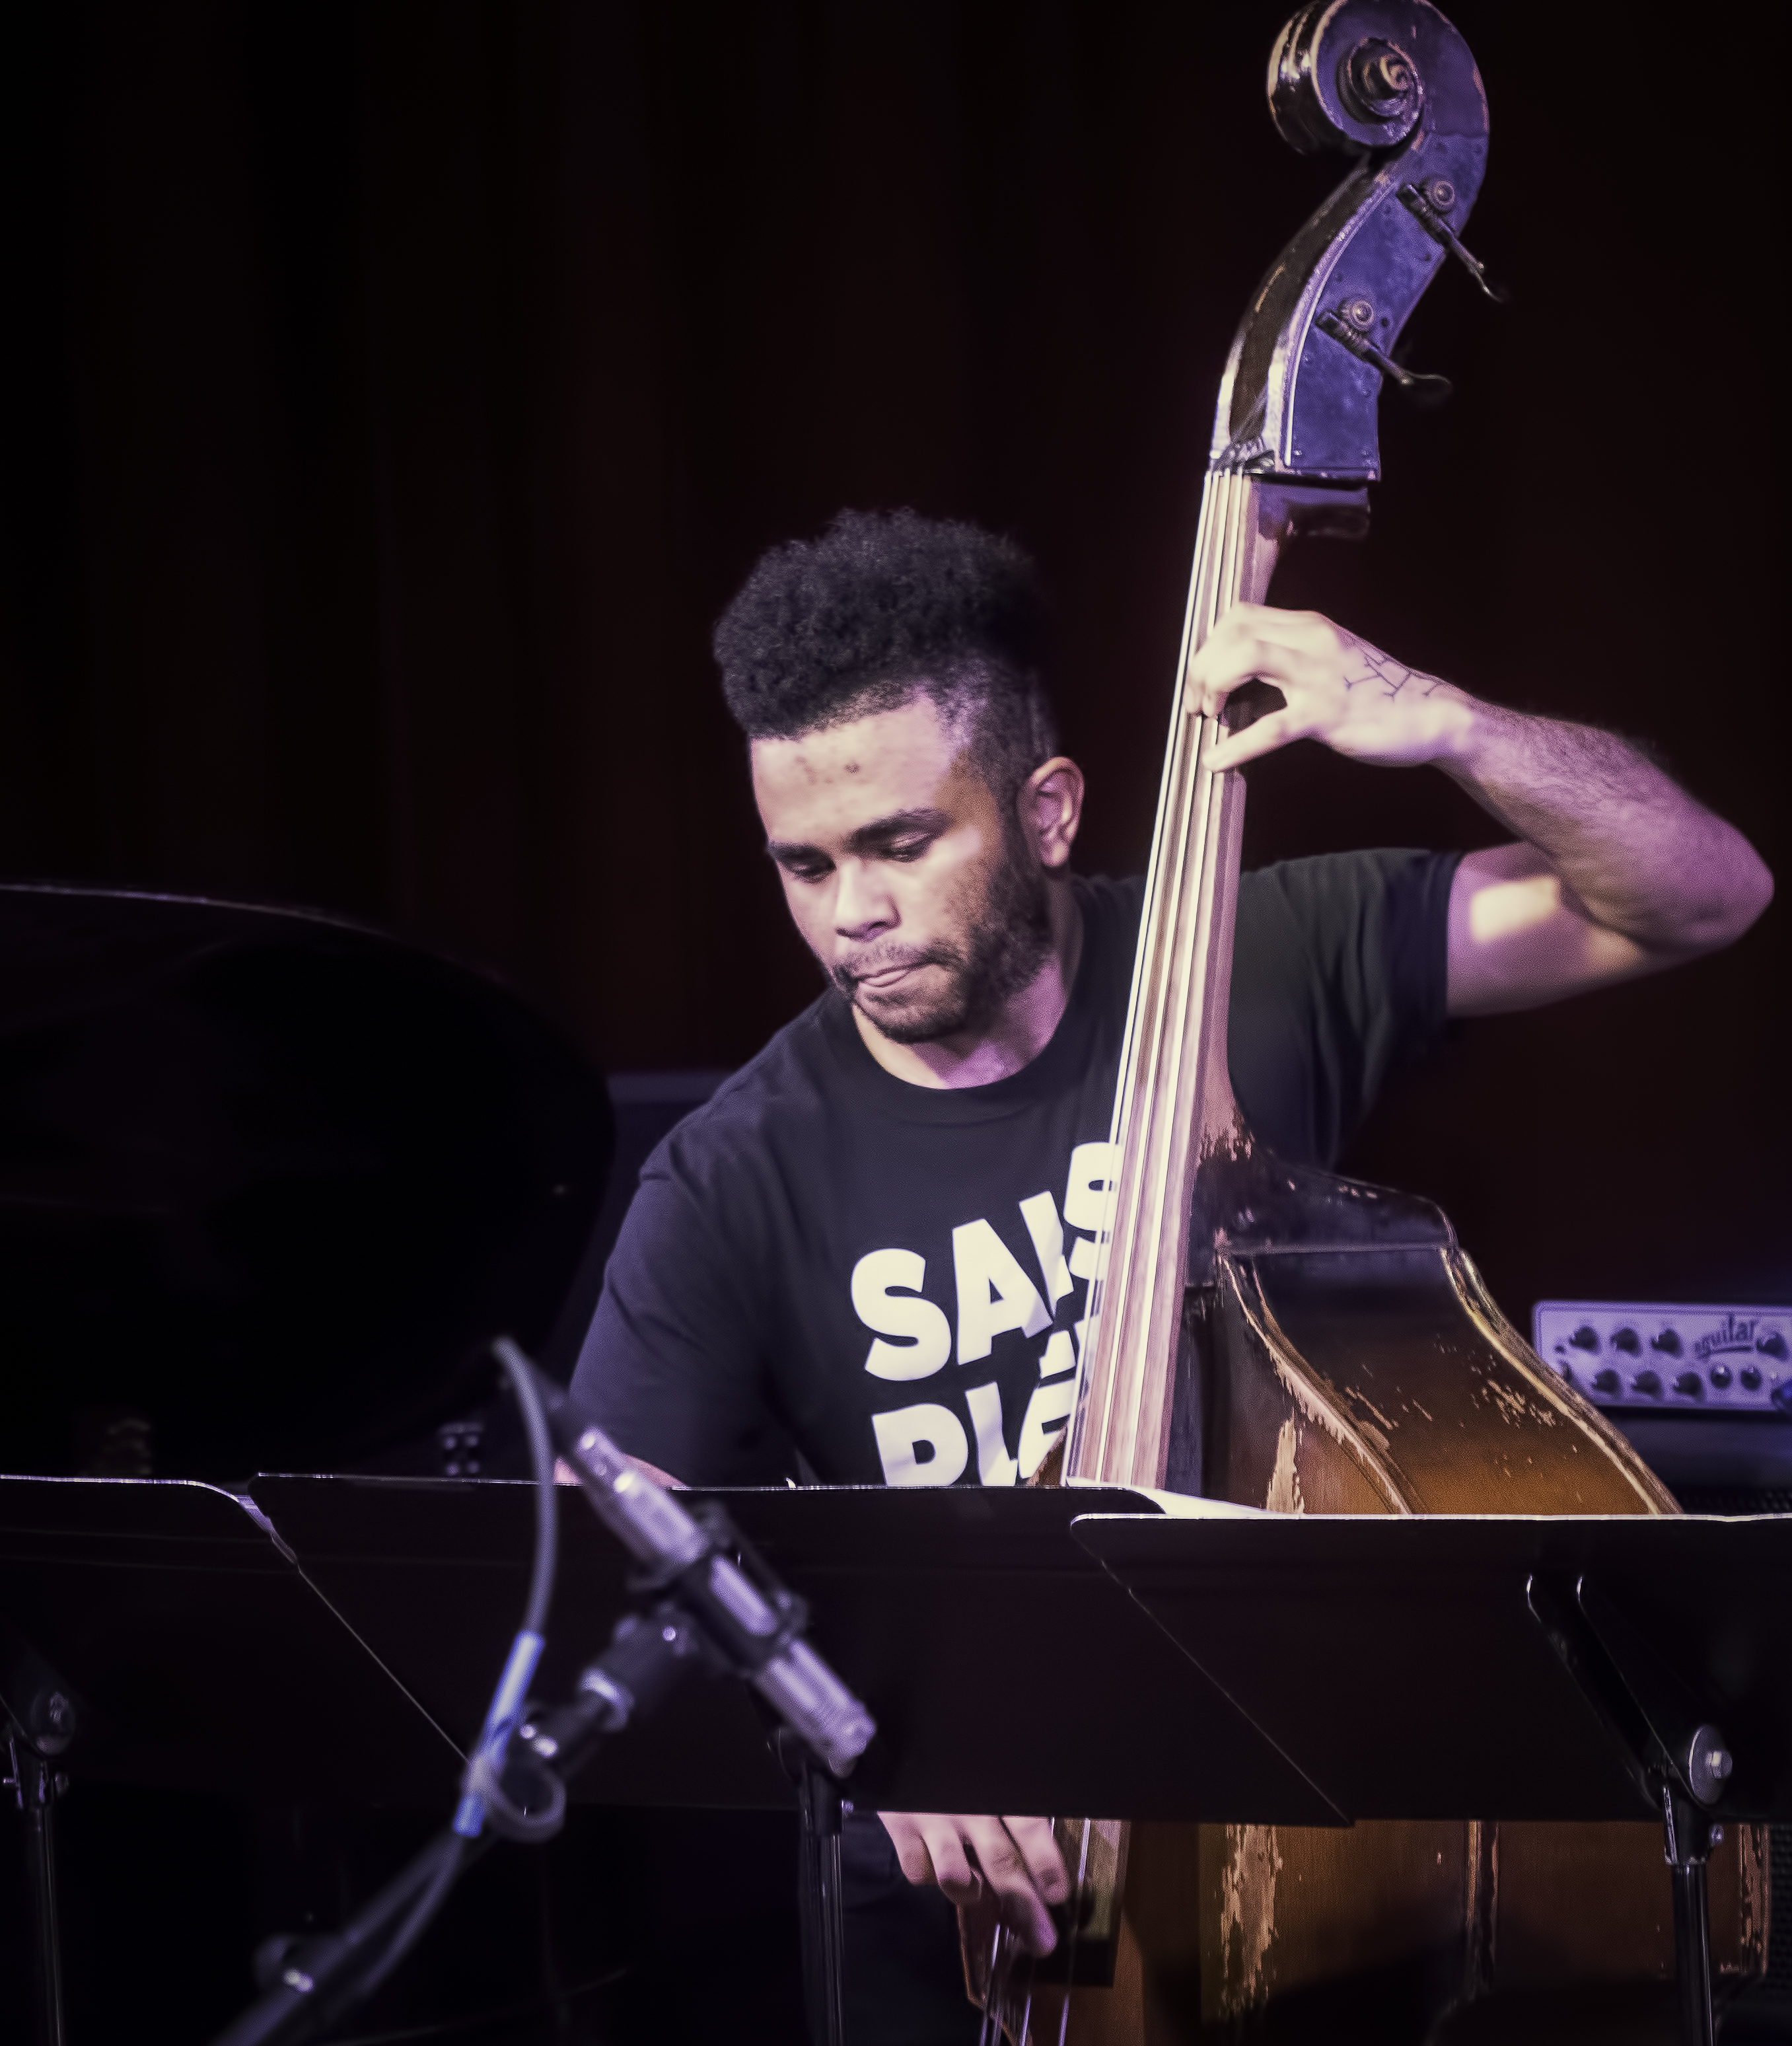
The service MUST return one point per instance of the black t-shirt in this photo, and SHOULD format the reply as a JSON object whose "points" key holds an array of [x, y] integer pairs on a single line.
{"points": [[887, 1280]]}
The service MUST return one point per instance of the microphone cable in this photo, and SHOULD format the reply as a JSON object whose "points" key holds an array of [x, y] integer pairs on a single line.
{"points": [[483, 1801]]}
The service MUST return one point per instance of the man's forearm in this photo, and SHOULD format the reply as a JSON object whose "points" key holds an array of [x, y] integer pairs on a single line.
{"points": [[1635, 850], [1631, 855]]}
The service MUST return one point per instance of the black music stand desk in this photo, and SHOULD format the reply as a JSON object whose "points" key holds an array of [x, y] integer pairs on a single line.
{"points": [[1434, 1667], [1398, 1662], [984, 1637], [158, 1633]]}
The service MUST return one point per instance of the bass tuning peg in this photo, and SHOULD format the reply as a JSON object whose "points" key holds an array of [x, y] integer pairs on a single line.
{"points": [[1350, 327], [1428, 204]]}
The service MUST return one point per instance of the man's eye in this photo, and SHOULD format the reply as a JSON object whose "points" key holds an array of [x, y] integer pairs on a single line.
{"points": [[912, 851], [808, 869]]}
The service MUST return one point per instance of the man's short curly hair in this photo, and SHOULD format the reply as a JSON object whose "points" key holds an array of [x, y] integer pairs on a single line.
{"points": [[883, 606]]}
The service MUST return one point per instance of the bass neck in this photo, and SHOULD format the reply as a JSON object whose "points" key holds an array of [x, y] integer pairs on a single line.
{"points": [[1173, 1105]]}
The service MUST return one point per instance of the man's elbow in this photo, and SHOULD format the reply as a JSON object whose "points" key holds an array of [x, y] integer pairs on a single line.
{"points": [[1740, 893]]}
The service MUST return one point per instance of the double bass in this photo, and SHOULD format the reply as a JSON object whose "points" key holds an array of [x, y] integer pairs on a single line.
{"points": [[1278, 1336]]}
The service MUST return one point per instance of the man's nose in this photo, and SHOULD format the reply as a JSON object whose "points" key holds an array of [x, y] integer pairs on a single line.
{"points": [[862, 906]]}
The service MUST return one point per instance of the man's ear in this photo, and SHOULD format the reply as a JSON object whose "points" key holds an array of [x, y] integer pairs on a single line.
{"points": [[1051, 809]]}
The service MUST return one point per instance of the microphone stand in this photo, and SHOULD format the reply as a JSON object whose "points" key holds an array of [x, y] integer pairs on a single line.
{"points": [[715, 1603], [36, 1785], [319, 1980], [37, 1722]]}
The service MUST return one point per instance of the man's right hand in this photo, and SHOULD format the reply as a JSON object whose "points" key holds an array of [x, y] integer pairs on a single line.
{"points": [[1017, 1857]]}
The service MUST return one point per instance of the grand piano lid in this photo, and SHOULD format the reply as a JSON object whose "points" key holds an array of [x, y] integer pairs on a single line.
{"points": [[267, 1180]]}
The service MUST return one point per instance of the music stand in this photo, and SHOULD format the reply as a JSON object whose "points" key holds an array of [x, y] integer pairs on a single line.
{"points": [[1551, 1669], [991, 1588], [157, 1633]]}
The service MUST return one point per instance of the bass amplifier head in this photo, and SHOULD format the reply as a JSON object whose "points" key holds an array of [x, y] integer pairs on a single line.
{"points": [[1703, 1392]]}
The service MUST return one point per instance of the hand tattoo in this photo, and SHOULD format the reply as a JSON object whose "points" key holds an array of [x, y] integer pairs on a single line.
{"points": [[1393, 675]]}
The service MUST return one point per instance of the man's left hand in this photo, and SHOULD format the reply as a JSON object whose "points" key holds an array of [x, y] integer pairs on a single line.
{"points": [[1619, 871], [1337, 689]]}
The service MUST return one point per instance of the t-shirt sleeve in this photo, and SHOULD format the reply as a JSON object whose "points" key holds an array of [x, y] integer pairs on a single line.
{"points": [[672, 1367], [1339, 978]]}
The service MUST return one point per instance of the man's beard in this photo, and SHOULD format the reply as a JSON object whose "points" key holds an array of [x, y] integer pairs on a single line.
{"points": [[1002, 951]]}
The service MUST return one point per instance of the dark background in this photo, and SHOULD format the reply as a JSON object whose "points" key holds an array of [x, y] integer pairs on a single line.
{"points": [[390, 395]]}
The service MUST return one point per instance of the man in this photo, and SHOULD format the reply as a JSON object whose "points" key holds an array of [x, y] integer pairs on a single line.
{"points": [[866, 1259]]}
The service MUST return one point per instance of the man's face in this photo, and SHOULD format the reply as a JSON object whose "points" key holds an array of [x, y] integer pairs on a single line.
{"points": [[920, 900]]}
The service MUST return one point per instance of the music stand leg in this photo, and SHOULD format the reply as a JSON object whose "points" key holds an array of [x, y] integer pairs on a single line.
{"points": [[824, 1932], [1690, 1835], [1662, 1766], [37, 1786]]}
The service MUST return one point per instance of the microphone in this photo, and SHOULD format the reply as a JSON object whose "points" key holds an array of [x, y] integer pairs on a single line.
{"points": [[751, 1621]]}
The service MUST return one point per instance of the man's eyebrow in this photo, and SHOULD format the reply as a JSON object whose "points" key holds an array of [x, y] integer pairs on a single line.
{"points": [[899, 823], [868, 838]]}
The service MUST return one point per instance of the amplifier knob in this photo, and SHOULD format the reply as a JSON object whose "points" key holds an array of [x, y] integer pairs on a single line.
{"points": [[1628, 1342], [1667, 1343], [1606, 1380], [1689, 1382], [1648, 1382], [1585, 1337], [1782, 1398], [1751, 1377], [1773, 1346], [1720, 1376]]}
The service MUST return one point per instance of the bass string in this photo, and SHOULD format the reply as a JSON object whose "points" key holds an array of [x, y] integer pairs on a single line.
{"points": [[1141, 1045], [999, 2012], [1146, 1103], [1076, 1930], [1108, 1288], [1157, 1085], [1162, 987], [1163, 1105]]}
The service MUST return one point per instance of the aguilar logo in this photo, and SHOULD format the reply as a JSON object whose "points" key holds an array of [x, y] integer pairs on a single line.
{"points": [[1730, 1334]]}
